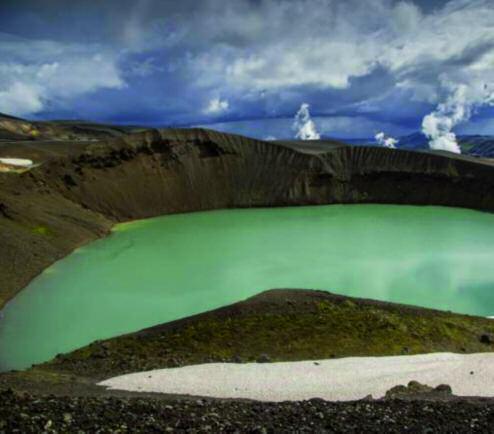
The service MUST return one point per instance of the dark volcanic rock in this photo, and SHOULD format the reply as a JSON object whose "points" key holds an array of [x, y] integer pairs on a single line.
{"points": [[415, 389], [29, 414], [263, 358], [444, 388], [4, 211], [487, 338], [236, 359]]}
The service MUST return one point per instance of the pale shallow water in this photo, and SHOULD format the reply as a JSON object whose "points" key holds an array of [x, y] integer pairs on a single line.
{"points": [[161, 269]]}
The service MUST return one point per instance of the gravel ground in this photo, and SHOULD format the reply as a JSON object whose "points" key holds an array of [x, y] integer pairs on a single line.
{"points": [[26, 414]]}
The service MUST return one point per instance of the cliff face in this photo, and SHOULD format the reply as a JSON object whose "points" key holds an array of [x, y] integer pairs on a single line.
{"points": [[80, 189]]}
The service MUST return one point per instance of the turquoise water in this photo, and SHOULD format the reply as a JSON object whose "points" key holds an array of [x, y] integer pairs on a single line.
{"points": [[152, 271]]}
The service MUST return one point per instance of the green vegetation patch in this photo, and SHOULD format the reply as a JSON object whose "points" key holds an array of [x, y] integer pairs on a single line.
{"points": [[41, 230]]}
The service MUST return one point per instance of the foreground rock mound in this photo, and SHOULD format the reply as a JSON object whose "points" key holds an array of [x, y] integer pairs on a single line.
{"points": [[282, 325], [416, 390]]}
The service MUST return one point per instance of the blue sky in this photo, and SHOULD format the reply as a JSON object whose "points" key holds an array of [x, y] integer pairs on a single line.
{"points": [[246, 66]]}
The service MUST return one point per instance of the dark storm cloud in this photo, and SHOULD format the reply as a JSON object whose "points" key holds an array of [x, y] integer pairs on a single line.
{"points": [[386, 63]]}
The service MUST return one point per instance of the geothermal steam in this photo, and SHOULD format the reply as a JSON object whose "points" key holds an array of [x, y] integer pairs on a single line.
{"points": [[457, 108], [304, 125], [386, 141]]}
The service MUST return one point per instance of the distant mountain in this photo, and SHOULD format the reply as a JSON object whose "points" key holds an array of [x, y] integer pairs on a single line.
{"points": [[15, 129], [355, 141], [4, 116], [476, 145], [413, 141]]}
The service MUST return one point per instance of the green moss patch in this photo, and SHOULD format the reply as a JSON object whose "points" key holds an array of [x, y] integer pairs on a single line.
{"points": [[41, 230]]}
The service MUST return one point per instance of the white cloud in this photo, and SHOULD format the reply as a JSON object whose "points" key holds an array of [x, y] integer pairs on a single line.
{"points": [[279, 49], [34, 74], [406, 17], [314, 63], [304, 126], [326, 43], [216, 106], [20, 98]]}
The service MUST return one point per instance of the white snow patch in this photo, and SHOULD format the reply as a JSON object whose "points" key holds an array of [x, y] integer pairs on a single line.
{"points": [[16, 162], [335, 379]]}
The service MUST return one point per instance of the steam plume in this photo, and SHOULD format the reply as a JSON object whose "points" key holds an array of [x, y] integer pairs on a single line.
{"points": [[304, 125], [457, 108], [386, 141]]}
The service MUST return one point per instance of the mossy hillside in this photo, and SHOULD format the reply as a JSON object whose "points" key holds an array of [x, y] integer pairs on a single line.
{"points": [[317, 326]]}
